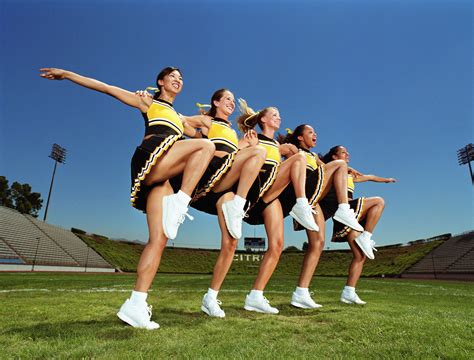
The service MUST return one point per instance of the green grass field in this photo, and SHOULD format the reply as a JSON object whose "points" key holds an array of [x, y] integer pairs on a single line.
{"points": [[47, 315]]}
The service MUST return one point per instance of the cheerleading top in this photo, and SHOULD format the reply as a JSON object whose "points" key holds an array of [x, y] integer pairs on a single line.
{"points": [[311, 160], [162, 119], [223, 136], [350, 186]]}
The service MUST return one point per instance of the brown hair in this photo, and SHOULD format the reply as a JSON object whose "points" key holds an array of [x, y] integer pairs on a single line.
{"points": [[216, 97]]}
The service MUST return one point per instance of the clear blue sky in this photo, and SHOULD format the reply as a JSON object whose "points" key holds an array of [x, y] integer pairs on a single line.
{"points": [[390, 80]]}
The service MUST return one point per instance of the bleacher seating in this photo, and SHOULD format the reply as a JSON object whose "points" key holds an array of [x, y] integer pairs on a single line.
{"points": [[454, 256], [34, 242]]}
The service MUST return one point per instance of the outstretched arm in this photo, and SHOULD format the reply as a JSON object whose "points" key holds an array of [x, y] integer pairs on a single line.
{"points": [[124, 96], [374, 178]]}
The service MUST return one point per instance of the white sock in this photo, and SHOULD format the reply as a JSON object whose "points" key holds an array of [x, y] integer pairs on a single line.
{"points": [[183, 198], [256, 294], [367, 234], [301, 291], [239, 201], [344, 206], [302, 201], [349, 289], [212, 293], [138, 297]]}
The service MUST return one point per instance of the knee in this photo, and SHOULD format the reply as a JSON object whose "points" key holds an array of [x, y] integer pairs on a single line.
{"points": [[299, 158], [259, 153], [208, 146], [380, 202], [341, 164], [276, 248], [316, 247], [229, 247]]}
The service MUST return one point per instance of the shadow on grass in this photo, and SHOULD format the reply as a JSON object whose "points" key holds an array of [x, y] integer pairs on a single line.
{"points": [[109, 328]]}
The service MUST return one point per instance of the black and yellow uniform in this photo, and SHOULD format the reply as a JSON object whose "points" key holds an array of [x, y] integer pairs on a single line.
{"points": [[313, 186], [163, 127], [329, 206], [225, 139], [264, 181]]}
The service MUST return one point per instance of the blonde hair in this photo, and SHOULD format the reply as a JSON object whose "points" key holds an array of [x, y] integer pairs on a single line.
{"points": [[249, 118]]}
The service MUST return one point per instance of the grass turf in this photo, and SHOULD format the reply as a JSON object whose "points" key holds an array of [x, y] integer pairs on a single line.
{"points": [[47, 315]]}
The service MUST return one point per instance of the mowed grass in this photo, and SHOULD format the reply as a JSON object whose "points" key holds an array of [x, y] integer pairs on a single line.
{"points": [[47, 315]]}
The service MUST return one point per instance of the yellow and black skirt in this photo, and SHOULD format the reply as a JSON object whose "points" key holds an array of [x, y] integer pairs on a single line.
{"points": [[255, 204], [143, 160], [313, 188], [340, 231], [204, 199]]}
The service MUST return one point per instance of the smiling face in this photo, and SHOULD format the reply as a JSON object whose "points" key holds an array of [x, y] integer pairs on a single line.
{"points": [[307, 139], [342, 154], [271, 118], [171, 83], [225, 106]]}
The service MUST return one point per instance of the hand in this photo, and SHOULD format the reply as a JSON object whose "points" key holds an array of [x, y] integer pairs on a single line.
{"points": [[288, 150], [53, 74], [354, 172], [390, 180], [251, 137], [143, 94]]}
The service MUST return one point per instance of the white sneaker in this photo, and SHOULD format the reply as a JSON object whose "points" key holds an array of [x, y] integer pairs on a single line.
{"points": [[174, 213], [211, 307], [304, 301], [233, 216], [366, 245], [261, 305], [137, 316], [303, 214], [347, 217], [348, 298], [372, 244]]}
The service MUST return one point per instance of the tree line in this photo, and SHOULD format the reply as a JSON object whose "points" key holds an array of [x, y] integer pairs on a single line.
{"points": [[20, 197]]}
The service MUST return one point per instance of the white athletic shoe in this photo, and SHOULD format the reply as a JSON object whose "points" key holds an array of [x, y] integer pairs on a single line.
{"points": [[137, 316], [366, 245], [261, 305], [303, 214], [211, 307], [372, 244], [233, 216], [347, 217], [351, 298], [304, 301], [174, 213]]}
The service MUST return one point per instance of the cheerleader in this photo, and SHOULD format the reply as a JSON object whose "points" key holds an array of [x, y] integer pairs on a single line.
{"points": [[320, 178], [236, 165], [159, 157], [264, 206], [368, 211]]}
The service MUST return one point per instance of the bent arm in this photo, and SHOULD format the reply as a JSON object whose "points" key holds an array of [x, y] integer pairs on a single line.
{"points": [[120, 94]]}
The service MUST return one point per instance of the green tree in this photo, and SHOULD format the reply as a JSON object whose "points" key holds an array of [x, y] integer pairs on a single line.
{"points": [[20, 197], [5, 193]]}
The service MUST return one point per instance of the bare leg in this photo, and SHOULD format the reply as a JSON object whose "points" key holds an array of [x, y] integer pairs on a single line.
{"points": [[335, 174], [373, 208], [313, 253], [245, 169], [293, 169], [151, 255], [273, 219], [228, 246], [189, 157], [355, 268]]}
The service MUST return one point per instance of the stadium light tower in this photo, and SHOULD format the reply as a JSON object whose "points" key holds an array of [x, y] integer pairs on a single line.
{"points": [[465, 156], [58, 154]]}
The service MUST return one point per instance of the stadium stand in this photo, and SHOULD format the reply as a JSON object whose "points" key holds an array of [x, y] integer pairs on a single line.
{"points": [[29, 244], [454, 259]]}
